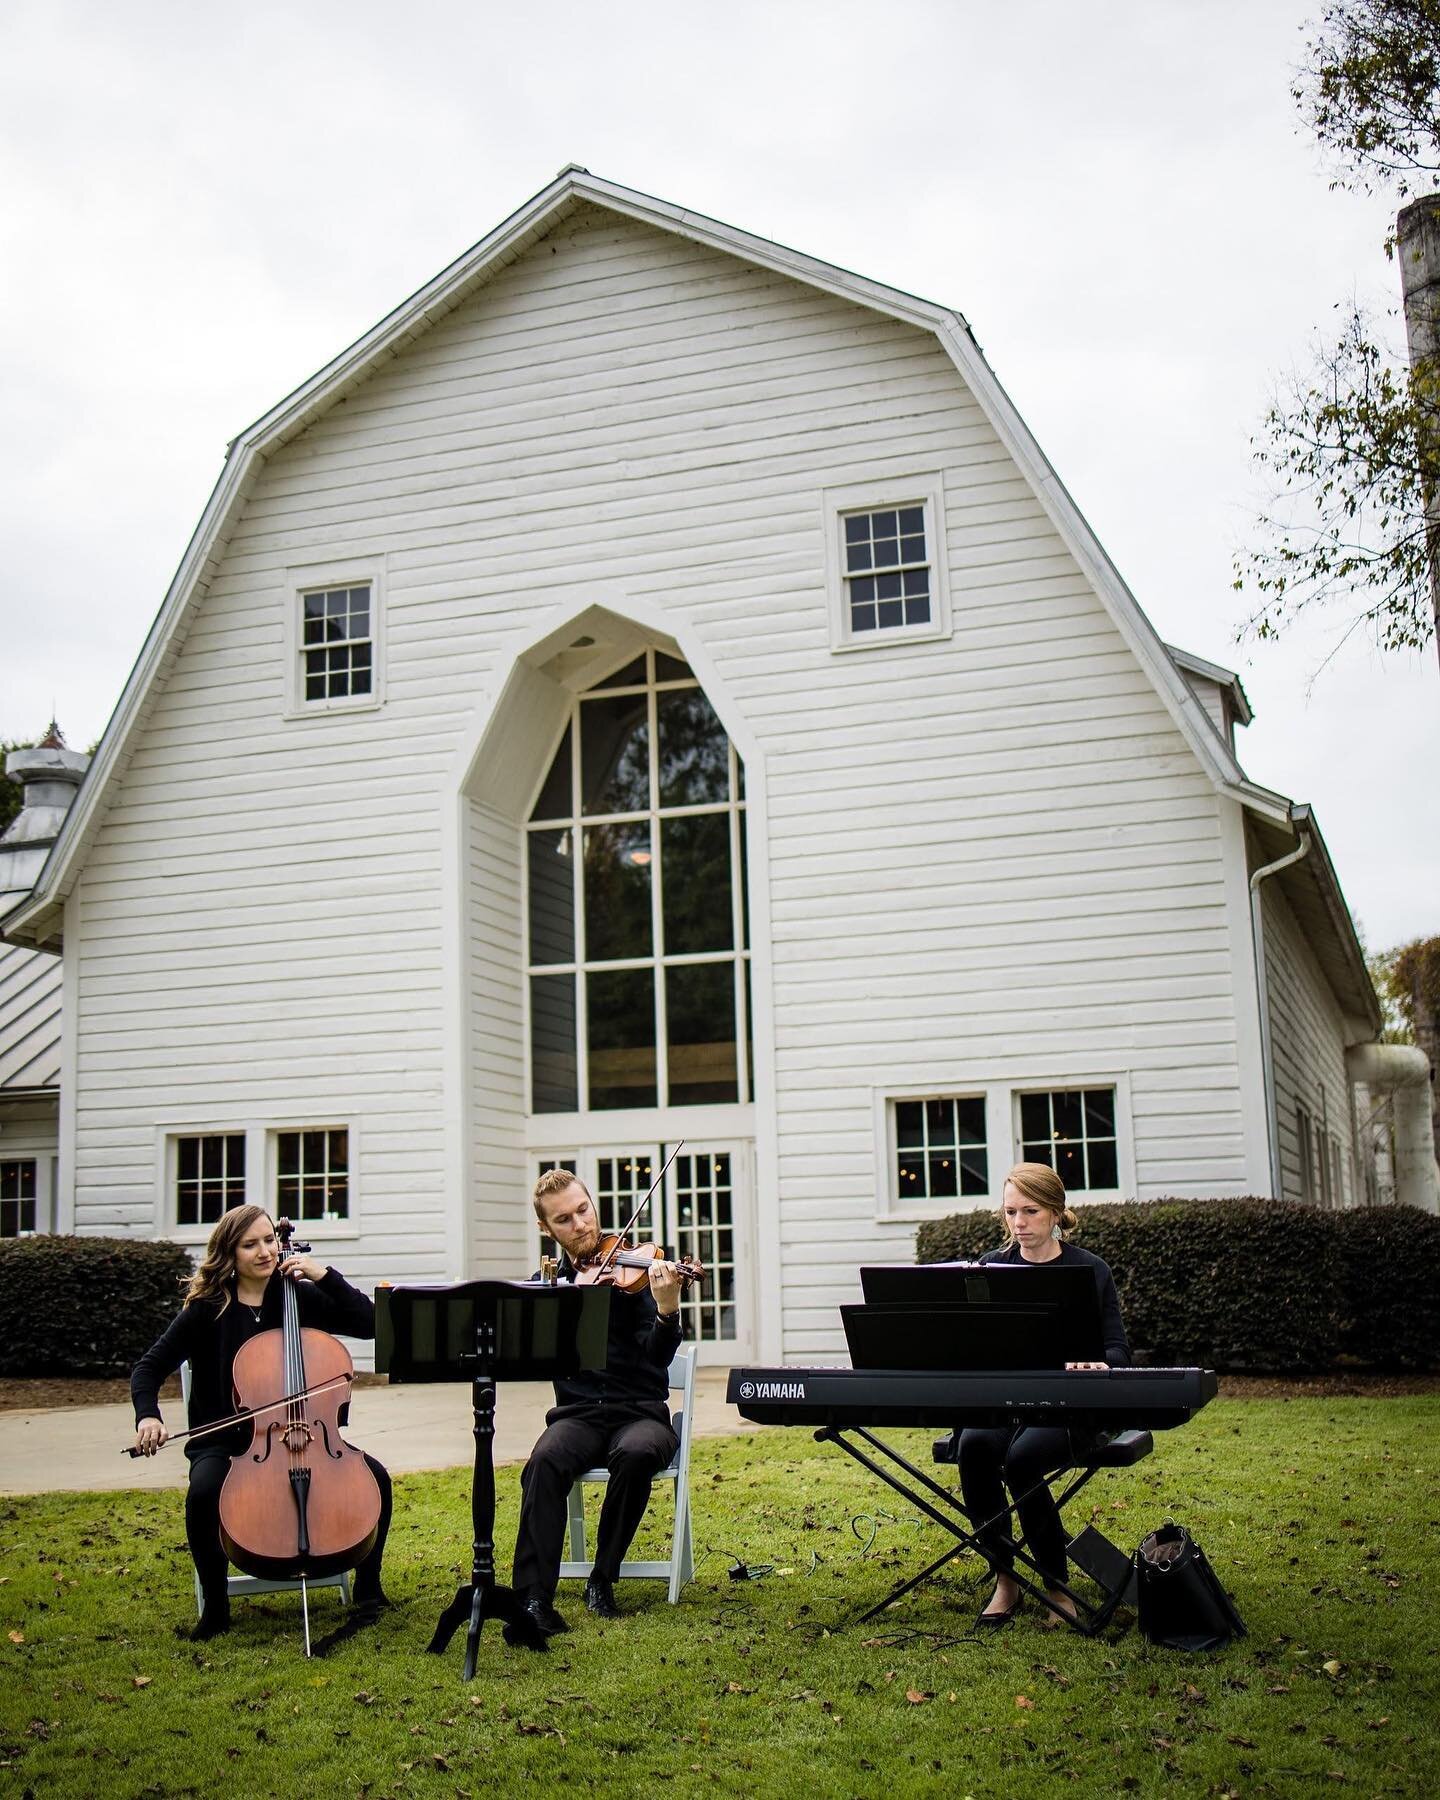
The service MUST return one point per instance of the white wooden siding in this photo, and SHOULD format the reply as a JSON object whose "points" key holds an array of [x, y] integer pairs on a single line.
{"points": [[1212, 697], [29, 1127], [1307, 1038], [501, 1220], [30, 982], [992, 849]]}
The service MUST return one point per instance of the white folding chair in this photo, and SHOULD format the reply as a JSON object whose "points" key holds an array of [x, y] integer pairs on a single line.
{"points": [[680, 1565], [246, 1586]]}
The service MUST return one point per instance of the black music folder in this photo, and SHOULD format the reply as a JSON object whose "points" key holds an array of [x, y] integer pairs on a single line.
{"points": [[974, 1316]]}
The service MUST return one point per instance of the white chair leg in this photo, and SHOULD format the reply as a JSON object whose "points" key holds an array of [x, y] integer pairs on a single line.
{"points": [[577, 1523]]}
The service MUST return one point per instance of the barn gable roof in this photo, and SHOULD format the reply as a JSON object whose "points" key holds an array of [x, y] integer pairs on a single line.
{"points": [[38, 919]]}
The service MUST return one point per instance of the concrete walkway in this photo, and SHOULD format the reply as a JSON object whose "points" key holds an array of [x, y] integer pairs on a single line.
{"points": [[80, 1448]]}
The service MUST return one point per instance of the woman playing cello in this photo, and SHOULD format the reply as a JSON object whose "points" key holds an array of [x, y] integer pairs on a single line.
{"points": [[235, 1293]]}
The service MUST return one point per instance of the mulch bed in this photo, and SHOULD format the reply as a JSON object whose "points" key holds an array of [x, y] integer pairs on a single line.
{"points": [[41, 1394]]}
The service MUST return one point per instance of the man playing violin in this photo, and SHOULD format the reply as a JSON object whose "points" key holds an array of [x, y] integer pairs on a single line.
{"points": [[619, 1417], [235, 1293]]}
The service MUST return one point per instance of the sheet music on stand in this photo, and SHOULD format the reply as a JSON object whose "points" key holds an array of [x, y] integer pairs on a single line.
{"points": [[486, 1332]]}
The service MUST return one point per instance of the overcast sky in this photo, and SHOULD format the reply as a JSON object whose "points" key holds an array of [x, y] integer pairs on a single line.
{"points": [[200, 205]]}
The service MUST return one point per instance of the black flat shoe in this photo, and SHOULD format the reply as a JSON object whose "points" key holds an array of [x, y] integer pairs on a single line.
{"points": [[600, 1597]]}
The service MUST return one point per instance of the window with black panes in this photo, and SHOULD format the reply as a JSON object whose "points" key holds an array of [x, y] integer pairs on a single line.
{"points": [[887, 569], [337, 643], [1072, 1129], [638, 930]]}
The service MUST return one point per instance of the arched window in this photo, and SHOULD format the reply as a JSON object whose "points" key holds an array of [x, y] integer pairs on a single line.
{"points": [[639, 951]]}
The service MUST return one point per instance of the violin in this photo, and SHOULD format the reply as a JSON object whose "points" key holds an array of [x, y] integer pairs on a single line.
{"points": [[616, 1263], [299, 1502]]}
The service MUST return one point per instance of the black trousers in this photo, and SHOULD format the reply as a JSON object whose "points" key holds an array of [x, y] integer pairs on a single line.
{"points": [[202, 1528], [994, 1458], [634, 1442]]}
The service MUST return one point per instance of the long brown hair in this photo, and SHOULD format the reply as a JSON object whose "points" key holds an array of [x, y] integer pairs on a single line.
{"points": [[1041, 1186], [215, 1276]]}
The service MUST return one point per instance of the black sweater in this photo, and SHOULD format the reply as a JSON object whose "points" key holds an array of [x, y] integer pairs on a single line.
{"points": [[641, 1347], [207, 1339], [1117, 1345]]}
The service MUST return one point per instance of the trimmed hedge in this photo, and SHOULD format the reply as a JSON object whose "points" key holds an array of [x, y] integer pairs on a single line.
{"points": [[85, 1305], [1391, 1315], [1252, 1285]]}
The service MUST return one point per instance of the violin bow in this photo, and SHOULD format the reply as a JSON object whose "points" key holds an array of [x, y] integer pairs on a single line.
{"points": [[253, 1412], [625, 1228]]}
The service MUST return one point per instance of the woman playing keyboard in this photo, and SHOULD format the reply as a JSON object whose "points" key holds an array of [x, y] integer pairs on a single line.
{"points": [[1035, 1214]]}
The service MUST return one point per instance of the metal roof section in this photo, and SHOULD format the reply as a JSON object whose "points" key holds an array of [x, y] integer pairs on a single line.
{"points": [[29, 1022], [38, 920], [1222, 677]]}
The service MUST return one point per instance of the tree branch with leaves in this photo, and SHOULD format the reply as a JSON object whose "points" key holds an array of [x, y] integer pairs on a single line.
{"points": [[1352, 447]]}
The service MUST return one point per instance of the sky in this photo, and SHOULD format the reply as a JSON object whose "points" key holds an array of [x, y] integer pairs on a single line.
{"points": [[199, 206]]}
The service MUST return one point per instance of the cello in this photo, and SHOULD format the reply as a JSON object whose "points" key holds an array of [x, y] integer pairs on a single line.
{"points": [[298, 1502]]}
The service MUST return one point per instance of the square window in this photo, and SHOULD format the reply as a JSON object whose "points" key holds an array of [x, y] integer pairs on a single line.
{"points": [[19, 1187], [880, 563], [940, 1149], [209, 1176], [312, 1179], [1073, 1129], [335, 647]]}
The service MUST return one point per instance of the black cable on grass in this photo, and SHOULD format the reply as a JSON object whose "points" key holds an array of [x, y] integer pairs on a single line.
{"points": [[875, 1521]]}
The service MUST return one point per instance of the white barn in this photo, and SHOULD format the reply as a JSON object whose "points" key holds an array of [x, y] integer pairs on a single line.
{"points": [[653, 686]]}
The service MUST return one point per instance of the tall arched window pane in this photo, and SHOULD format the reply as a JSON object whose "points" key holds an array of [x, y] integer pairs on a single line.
{"points": [[638, 938]]}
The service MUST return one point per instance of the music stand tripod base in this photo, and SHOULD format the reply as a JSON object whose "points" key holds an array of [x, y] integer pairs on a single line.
{"points": [[482, 1597], [487, 1332]]}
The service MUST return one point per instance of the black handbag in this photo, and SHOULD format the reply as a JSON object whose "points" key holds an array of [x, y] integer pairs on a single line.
{"points": [[1180, 1601]]}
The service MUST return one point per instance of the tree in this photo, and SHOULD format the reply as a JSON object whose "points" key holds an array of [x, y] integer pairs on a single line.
{"points": [[1353, 446]]}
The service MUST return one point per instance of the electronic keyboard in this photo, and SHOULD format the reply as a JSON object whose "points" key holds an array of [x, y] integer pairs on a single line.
{"points": [[1121, 1399]]}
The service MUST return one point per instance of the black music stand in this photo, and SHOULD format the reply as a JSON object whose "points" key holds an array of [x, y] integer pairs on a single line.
{"points": [[484, 1332]]}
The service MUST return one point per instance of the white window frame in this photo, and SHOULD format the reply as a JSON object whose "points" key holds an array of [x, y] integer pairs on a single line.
{"points": [[261, 1174], [311, 578], [317, 1230], [1124, 1169], [737, 809], [173, 1174], [923, 490], [1002, 1137]]}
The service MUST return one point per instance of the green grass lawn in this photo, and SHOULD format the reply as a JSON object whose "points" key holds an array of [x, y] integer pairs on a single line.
{"points": [[1320, 1515]]}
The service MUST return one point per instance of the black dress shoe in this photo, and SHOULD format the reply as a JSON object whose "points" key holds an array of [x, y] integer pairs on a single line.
{"points": [[992, 1621], [600, 1597], [547, 1620]]}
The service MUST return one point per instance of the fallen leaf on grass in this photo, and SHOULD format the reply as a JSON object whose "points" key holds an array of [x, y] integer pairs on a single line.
{"points": [[1375, 1724], [1332, 1667], [17, 1637], [1242, 1743], [140, 1681], [916, 1698], [1022, 1701]]}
